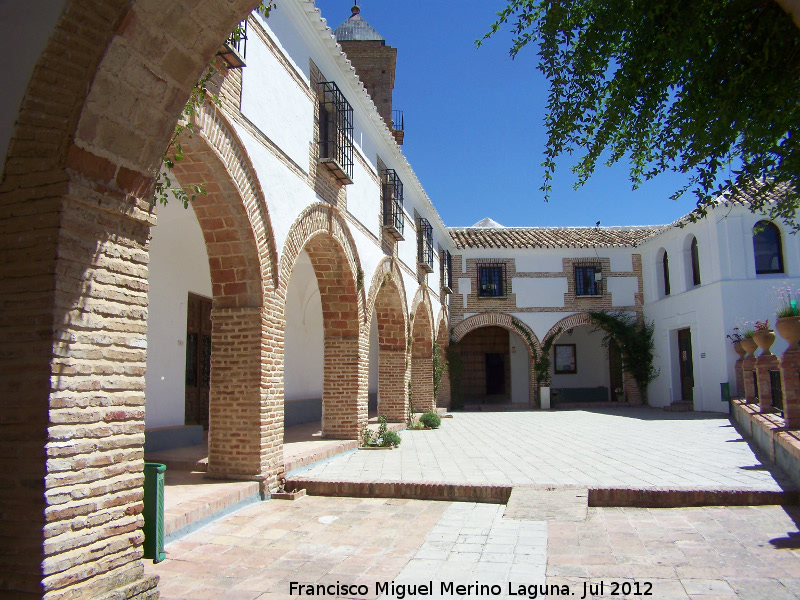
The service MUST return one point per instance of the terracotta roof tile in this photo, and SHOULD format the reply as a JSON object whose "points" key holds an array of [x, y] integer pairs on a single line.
{"points": [[552, 237]]}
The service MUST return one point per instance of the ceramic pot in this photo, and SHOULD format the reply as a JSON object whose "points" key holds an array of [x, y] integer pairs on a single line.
{"points": [[789, 329], [764, 339], [737, 347], [749, 346]]}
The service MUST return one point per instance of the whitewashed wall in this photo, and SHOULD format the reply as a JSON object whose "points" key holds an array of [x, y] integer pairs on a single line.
{"points": [[178, 265]]}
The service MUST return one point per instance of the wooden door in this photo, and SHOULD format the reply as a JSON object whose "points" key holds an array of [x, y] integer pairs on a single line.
{"points": [[198, 360], [687, 368], [495, 374]]}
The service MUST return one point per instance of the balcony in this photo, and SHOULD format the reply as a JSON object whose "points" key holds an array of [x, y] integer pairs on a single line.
{"points": [[425, 245], [234, 48], [394, 219]]}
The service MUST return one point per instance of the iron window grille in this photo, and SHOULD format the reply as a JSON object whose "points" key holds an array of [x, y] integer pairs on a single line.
{"points": [[234, 49], [491, 280], [588, 280], [446, 267], [335, 132], [394, 219], [777, 390], [425, 245]]}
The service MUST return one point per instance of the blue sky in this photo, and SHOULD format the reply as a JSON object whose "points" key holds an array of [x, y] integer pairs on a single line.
{"points": [[474, 122]]}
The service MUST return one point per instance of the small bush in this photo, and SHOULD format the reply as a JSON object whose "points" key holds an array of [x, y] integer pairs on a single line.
{"points": [[430, 419], [390, 438]]}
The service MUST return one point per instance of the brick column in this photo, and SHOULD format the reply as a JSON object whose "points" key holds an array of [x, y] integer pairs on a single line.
{"points": [[392, 385], [72, 364], [748, 371], [244, 441], [632, 392], [344, 399], [422, 378], [764, 364], [790, 382]]}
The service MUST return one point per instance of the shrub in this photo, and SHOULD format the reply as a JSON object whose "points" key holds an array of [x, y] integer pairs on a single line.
{"points": [[430, 419], [390, 438]]}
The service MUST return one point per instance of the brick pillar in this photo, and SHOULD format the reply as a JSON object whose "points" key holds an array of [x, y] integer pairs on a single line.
{"points": [[790, 382], [72, 363], [764, 364], [738, 368], [422, 383], [748, 371], [242, 439], [632, 392], [344, 400], [392, 385]]}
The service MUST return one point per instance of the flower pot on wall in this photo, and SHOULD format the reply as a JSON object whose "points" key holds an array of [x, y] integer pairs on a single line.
{"points": [[764, 339], [749, 346], [789, 329], [737, 347]]}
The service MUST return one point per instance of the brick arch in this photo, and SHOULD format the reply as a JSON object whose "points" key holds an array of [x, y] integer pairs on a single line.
{"points": [[422, 351], [323, 234], [569, 322], [387, 301], [500, 320], [216, 156], [95, 119]]}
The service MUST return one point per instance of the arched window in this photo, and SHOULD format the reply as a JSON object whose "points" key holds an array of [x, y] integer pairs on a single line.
{"points": [[665, 273], [695, 263], [767, 248]]}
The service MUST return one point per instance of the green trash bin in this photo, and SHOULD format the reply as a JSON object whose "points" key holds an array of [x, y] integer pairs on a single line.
{"points": [[154, 511]]}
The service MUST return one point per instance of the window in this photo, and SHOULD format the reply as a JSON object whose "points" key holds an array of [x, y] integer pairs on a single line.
{"points": [[665, 273], [393, 216], [565, 359], [767, 248], [588, 280], [695, 263], [425, 245], [491, 281], [446, 266], [335, 132]]}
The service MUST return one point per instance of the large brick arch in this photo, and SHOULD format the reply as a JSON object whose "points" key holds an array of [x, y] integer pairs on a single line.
{"points": [[323, 234], [245, 352], [98, 113], [500, 320], [387, 300], [422, 351]]}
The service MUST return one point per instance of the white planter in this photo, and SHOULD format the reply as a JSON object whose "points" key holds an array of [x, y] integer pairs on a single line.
{"points": [[544, 397]]}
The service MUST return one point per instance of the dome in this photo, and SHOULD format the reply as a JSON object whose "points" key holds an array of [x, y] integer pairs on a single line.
{"points": [[356, 29]]}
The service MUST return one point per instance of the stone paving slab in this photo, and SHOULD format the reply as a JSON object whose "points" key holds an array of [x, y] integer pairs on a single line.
{"points": [[641, 448], [751, 553], [547, 504]]}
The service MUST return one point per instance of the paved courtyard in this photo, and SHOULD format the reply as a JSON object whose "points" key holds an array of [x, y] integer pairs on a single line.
{"points": [[709, 553], [604, 447]]}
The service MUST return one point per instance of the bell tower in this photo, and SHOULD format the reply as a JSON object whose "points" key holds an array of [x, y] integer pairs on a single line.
{"points": [[374, 62]]}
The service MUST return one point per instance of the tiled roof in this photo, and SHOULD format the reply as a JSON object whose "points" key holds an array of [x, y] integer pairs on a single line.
{"points": [[356, 29], [552, 237]]}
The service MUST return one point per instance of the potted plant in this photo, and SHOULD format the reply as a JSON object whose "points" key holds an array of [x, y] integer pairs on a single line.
{"points": [[763, 336], [788, 323], [748, 343], [736, 339]]}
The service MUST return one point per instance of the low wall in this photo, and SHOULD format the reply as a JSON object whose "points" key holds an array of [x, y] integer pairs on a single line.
{"points": [[767, 431]]}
